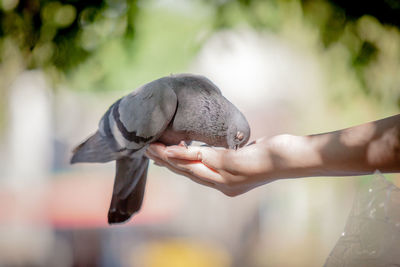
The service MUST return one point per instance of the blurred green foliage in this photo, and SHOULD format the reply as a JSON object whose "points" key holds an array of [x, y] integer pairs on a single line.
{"points": [[118, 44], [363, 35], [64, 33], [166, 42]]}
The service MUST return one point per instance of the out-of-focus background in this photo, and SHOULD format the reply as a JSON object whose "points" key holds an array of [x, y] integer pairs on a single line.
{"points": [[296, 67]]}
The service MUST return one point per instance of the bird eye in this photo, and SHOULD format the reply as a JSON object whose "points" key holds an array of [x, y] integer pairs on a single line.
{"points": [[239, 136]]}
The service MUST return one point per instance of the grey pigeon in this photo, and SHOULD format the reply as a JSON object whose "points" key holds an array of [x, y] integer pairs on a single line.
{"points": [[169, 110]]}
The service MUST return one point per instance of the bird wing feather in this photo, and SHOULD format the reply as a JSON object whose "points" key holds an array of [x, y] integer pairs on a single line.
{"points": [[140, 117]]}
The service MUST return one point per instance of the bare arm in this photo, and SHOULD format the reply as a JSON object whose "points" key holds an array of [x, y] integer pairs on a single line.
{"points": [[353, 151]]}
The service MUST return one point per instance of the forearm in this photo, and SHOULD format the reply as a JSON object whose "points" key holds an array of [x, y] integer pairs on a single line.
{"points": [[354, 151]]}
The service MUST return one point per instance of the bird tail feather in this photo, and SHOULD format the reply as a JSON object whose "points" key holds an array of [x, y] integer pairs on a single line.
{"points": [[94, 149], [129, 187]]}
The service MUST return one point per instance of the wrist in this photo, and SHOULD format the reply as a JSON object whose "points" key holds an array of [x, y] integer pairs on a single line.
{"points": [[293, 156]]}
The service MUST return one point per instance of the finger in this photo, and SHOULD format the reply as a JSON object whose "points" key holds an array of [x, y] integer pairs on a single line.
{"points": [[211, 157], [157, 149], [157, 161], [218, 160], [197, 169], [206, 182], [150, 155], [192, 169]]}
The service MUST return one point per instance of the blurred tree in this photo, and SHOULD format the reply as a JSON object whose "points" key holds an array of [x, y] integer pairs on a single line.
{"points": [[386, 11], [64, 33], [59, 35], [368, 30], [56, 36]]}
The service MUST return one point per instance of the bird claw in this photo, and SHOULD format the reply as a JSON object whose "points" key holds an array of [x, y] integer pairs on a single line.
{"points": [[251, 143]]}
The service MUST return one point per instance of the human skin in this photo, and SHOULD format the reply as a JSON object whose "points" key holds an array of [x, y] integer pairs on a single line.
{"points": [[353, 151]]}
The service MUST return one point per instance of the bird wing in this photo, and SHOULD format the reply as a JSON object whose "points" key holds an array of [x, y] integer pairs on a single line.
{"points": [[140, 117], [130, 123], [133, 122]]}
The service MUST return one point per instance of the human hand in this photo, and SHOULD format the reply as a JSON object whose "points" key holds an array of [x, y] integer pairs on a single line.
{"points": [[233, 172], [357, 150]]}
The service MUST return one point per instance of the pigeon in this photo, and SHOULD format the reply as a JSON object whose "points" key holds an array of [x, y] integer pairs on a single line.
{"points": [[171, 110]]}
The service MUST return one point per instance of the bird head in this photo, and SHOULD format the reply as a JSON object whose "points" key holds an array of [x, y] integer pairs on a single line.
{"points": [[238, 132]]}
